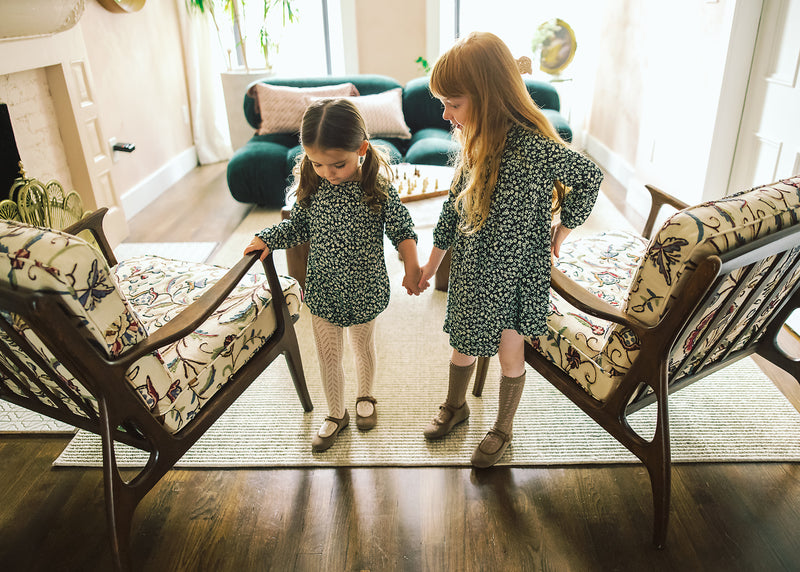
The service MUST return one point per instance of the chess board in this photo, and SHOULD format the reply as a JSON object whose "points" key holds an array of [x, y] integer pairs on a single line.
{"points": [[417, 182]]}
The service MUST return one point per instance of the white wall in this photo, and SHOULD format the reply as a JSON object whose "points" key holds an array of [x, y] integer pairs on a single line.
{"points": [[664, 100]]}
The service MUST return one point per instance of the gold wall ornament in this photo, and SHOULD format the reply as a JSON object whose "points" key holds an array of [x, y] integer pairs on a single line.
{"points": [[122, 6], [558, 48]]}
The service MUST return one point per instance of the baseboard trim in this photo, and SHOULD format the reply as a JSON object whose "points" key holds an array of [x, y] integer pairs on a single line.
{"points": [[636, 197], [616, 166], [149, 189]]}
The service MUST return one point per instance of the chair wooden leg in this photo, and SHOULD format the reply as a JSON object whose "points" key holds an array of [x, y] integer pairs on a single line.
{"points": [[119, 520], [120, 504], [295, 364], [480, 376], [661, 484], [659, 466]]}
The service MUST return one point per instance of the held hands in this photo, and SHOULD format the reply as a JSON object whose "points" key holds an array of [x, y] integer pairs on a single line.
{"points": [[426, 273], [411, 281], [255, 245], [430, 268], [557, 235], [408, 252]]}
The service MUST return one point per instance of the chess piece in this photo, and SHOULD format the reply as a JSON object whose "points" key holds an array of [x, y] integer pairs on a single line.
{"points": [[524, 65]]}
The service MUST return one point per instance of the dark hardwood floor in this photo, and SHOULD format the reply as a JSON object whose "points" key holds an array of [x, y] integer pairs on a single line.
{"points": [[724, 516]]}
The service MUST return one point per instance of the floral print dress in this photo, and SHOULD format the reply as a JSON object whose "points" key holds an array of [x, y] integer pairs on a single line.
{"points": [[500, 275], [346, 281]]}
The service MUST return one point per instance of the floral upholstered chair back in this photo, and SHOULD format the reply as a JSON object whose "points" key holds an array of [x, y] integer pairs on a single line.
{"points": [[674, 252], [45, 260]]}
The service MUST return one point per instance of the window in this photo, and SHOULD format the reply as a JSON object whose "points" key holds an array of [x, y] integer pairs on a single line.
{"points": [[302, 46]]}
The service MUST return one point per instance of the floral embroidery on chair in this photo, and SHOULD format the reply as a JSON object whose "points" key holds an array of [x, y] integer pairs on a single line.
{"points": [[713, 227], [201, 363], [666, 254], [173, 388]]}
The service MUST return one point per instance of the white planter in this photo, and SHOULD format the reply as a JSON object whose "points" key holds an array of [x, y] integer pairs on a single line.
{"points": [[234, 86]]}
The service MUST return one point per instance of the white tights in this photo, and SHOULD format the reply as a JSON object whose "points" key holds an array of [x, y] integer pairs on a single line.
{"points": [[329, 339]]}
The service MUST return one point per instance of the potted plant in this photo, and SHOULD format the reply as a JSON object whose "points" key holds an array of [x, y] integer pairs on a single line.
{"points": [[233, 34], [231, 18]]}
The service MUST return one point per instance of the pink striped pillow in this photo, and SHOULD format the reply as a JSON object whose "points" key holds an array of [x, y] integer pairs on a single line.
{"points": [[281, 107]]}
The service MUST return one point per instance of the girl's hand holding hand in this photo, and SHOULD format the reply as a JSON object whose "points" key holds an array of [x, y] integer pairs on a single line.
{"points": [[255, 245], [411, 281], [557, 235], [426, 273]]}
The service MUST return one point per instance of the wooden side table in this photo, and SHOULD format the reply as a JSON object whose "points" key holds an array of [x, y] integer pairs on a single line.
{"points": [[297, 256]]}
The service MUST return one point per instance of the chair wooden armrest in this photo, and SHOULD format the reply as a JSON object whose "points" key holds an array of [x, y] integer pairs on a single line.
{"points": [[93, 222], [658, 199], [587, 302]]}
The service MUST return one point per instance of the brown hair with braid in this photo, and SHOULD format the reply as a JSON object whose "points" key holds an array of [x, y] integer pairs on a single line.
{"points": [[337, 124], [481, 68]]}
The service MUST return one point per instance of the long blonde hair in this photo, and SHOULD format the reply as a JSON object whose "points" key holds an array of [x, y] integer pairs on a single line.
{"points": [[337, 124], [481, 68]]}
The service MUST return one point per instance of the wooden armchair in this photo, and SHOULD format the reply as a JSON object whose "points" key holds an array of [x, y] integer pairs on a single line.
{"points": [[148, 352], [631, 321]]}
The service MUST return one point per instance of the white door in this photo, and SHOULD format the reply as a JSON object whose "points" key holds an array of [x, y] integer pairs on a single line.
{"points": [[768, 146]]}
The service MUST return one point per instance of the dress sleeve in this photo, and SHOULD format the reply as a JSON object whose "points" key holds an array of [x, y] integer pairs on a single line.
{"points": [[399, 226], [289, 232], [577, 172], [444, 232]]}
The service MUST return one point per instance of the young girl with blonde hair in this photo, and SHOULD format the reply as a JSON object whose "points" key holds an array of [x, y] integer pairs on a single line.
{"points": [[344, 205], [512, 174]]}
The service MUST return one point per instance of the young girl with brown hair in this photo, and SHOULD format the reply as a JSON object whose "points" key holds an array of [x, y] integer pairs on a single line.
{"points": [[343, 207], [512, 174]]}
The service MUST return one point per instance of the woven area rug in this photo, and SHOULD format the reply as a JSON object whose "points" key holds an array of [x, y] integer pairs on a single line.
{"points": [[188, 251], [735, 415], [14, 419]]}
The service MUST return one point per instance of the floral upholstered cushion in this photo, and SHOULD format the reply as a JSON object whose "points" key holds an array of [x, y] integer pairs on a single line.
{"points": [[690, 235], [119, 308], [686, 238], [201, 363], [38, 259], [603, 264]]}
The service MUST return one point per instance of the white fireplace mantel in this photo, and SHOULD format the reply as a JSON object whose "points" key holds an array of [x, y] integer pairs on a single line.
{"points": [[63, 57]]}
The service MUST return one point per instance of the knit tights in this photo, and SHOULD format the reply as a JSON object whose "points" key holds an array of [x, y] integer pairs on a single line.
{"points": [[329, 339]]}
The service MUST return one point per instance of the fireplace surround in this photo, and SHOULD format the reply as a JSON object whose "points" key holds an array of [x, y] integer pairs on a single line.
{"points": [[62, 57]]}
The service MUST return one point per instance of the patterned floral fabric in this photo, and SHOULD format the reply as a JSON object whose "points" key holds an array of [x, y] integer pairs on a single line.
{"points": [[346, 281], [597, 362], [79, 390], [199, 364], [500, 275], [603, 264], [119, 308], [55, 261]]}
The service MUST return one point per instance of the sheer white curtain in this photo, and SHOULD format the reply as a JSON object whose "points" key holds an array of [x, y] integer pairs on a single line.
{"points": [[205, 61]]}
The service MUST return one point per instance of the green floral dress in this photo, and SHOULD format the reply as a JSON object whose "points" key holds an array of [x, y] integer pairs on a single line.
{"points": [[500, 275], [346, 280]]}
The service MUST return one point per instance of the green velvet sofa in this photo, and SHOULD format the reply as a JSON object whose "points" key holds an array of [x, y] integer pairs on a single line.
{"points": [[260, 171]]}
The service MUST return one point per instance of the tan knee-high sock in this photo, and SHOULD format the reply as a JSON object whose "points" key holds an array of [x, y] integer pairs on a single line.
{"points": [[458, 383], [510, 394], [362, 339], [329, 340]]}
